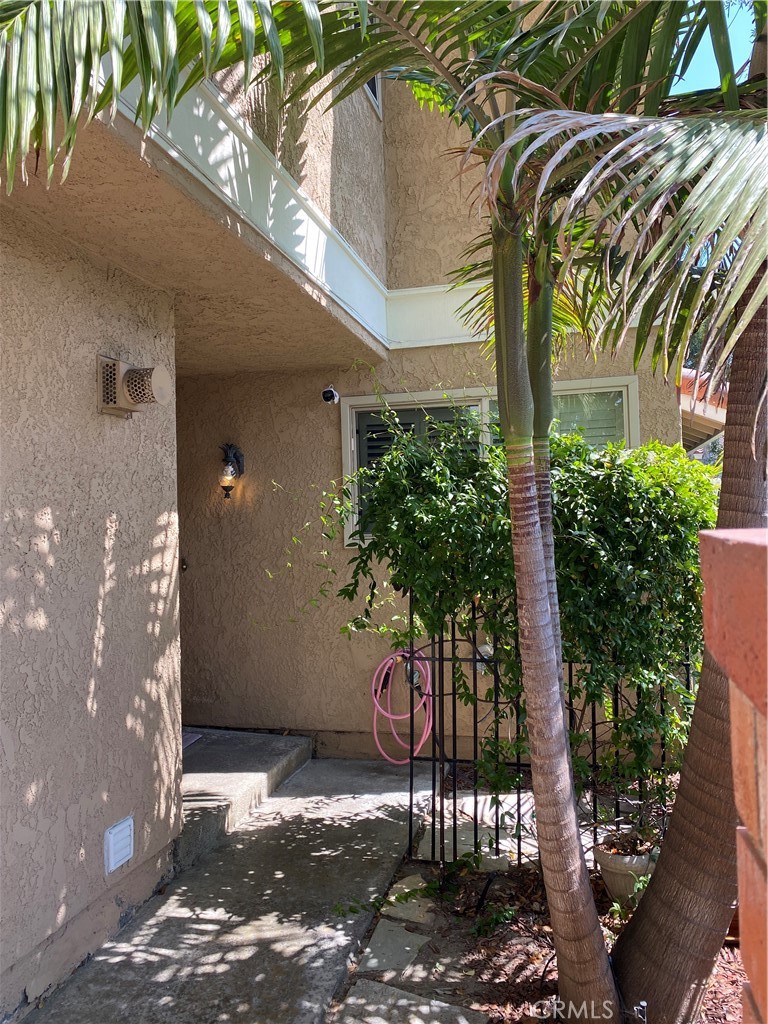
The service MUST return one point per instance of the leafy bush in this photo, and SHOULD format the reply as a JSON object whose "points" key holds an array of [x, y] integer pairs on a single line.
{"points": [[626, 528]]}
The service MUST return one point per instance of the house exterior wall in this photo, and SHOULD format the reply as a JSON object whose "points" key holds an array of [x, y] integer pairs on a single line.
{"points": [[432, 208], [336, 156], [88, 611], [255, 653]]}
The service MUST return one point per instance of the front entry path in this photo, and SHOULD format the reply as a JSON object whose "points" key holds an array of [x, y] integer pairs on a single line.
{"points": [[249, 935]]}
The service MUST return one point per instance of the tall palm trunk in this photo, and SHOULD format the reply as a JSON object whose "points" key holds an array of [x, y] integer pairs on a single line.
{"points": [[541, 287], [666, 954], [585, 978]]}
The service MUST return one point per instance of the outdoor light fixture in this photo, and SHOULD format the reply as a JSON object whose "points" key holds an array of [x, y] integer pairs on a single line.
{"points": [[234, 466]]}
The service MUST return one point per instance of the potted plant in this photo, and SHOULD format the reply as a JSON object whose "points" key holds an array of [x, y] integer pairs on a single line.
{"points": [[628, 852]]}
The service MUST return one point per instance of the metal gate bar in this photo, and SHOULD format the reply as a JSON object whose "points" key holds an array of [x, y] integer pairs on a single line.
{"points": [[444, 756]]}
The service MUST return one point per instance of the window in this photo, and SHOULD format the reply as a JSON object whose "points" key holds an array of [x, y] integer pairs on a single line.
{"points": [[600, 416], [373, 438], [372, 90], [604, 409]]}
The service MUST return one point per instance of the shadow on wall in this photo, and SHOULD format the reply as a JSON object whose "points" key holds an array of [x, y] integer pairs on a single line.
{"points": [[90, 707], [280, 128], [335, 154]]}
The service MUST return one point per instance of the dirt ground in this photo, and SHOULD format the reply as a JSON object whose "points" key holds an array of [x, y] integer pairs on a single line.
{"points": [[491, 948]]}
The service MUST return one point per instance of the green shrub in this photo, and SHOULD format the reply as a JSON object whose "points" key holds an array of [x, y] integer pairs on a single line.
{"points": [[626, 525]]}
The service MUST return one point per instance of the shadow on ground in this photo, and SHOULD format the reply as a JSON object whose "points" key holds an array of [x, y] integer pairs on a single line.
{"points": [[251, 934]]}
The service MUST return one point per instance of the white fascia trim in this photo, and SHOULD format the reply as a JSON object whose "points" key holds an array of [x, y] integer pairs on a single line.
{"points": [[211, 141], [418, 317]]}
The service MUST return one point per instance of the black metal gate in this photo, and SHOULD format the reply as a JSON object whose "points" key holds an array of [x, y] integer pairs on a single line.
{"points": [[464, 814]]}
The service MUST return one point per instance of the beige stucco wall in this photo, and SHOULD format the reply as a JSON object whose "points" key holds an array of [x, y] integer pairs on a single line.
{"points": [[88, 609], [335, 155], [432, 208], [254, 652]]}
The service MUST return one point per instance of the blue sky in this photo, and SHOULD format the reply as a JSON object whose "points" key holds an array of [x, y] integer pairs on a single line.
{"points": [[702, 74]]}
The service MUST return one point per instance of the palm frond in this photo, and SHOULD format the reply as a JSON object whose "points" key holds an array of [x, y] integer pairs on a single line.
{"points": [[683, 199], [65, 60], [578, 304]]}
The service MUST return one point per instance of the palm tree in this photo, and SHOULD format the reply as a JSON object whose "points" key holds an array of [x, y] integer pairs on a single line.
{"points": [[63, 61], [693, 186], [594, 52]]}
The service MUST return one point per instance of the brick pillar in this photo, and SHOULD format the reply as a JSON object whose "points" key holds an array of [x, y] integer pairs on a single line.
{"points": [[734, 565]]}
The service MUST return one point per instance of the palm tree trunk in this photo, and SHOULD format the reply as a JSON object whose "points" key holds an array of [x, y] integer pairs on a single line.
{"points": [[541, 288], [666, 953], [584, 975]]}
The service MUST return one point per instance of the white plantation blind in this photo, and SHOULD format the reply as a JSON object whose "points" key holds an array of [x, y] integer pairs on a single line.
{"points": [[597, 415], [374, 438]]}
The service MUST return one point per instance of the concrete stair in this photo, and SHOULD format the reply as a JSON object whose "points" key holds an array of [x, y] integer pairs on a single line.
{"points": [[226, 774]]}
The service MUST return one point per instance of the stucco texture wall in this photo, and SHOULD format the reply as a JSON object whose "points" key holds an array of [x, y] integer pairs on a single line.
{"points": [[335, 155], [432, 208], [255, 652], [88, 612]]}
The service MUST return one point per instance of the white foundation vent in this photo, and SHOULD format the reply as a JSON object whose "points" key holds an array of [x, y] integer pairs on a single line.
{"points": [[124, 388], [118, 845]]}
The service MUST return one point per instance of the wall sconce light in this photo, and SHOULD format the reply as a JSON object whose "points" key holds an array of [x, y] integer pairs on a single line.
{"points": [[234, 467]]}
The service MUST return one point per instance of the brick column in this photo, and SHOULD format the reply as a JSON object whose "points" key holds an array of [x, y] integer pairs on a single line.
{"points": [[734, 565]]}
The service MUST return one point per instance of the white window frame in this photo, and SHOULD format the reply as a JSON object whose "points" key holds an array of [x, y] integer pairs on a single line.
{"points": [[479, 398], [375, 101]]}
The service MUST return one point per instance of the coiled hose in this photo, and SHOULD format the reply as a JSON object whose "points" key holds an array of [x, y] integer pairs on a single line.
{"points": [[381, 692]]}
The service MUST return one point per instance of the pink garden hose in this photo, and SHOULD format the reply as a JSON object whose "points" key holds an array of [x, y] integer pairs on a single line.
{"points": [[382, 682]]}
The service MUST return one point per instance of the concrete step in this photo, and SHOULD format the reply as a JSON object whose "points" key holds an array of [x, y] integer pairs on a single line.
{"points": [[226, 774]]}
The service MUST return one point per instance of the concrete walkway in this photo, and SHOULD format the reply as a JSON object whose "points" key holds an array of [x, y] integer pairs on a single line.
{"points": [[249, 934]]}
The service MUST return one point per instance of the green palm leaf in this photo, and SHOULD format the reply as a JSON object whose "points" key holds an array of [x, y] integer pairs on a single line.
{"points": [[66, 60], [576, 304], [683, 198]]}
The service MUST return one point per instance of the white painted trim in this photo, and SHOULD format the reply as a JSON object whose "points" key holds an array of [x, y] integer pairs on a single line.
{"points": [[417, 317], [211, 141]]}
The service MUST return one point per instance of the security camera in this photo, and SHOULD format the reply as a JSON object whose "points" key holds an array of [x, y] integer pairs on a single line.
{"points": [[330, 395]]}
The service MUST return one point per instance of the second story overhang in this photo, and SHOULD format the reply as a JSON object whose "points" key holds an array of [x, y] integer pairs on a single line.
{"points": [[262, 280]]}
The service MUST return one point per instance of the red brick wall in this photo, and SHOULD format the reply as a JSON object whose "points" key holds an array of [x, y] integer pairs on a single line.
{"points": [[735, 568]]}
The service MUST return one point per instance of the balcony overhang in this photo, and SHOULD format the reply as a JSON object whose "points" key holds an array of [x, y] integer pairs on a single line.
{"points": [[261, 279], [240, 303]]}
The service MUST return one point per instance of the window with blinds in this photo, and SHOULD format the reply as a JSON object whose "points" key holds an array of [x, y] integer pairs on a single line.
{"points": [[602, 410], [374, 437], [599, 416]]}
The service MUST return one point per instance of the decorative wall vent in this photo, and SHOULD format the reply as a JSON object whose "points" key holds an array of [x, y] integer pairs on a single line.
{"points": [[118, 845], [124, 388]]}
